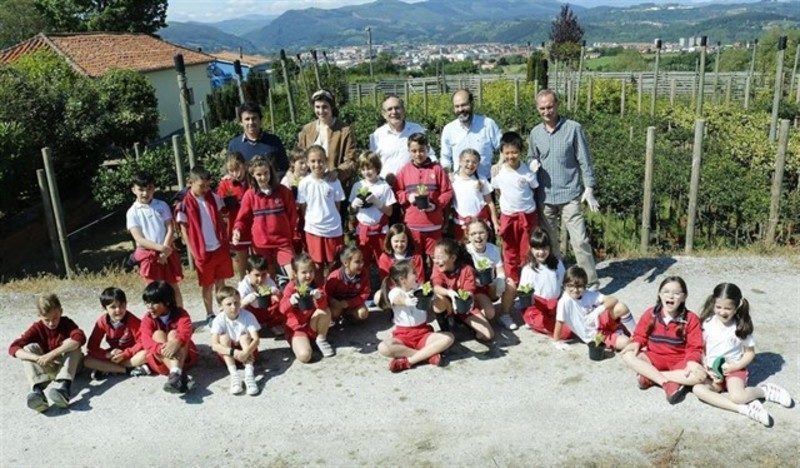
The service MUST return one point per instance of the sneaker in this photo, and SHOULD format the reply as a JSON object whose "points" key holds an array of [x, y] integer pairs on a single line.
{"points": [[37, 401], [99, 375], [674, 391], [325, 347], [508, 322], [756, 411], [58, 395], [173, 384], [277, 330], [251, 384], [187, 382], [399, 364], [209, 319], [236, 384], [435, 360], [776, 394], [140, 371], [644, 382]]}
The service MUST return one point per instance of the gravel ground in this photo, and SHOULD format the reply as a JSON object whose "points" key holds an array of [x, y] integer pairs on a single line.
{"points": [[519, 403]]}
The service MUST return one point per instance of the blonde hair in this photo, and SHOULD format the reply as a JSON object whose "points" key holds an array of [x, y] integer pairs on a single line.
{"points": [[368, 159], [47, 303], [225, 292]]}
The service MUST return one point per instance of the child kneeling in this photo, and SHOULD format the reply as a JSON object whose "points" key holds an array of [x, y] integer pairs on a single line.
{"points": [[234, 337]]}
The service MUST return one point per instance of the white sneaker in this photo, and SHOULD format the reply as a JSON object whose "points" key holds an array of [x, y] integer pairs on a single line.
{"points": [[325, 348], [236, 384], [508, 322], [251, 384], [776, 393], [755, 411]]}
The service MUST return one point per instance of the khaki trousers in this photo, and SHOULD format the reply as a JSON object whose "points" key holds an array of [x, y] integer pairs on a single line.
{"points": [[64, 367], [576, 227]]}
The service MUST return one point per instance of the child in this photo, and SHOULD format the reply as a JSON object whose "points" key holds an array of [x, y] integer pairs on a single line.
{"points": [[166, 334], [372, 212], [486, 256], [544, 274], [413, 340], [269, 214], [298, 169], [453, 273], [473, 194], [516, 182], [667, 344], [302, 326], [204, 229], [50, 349], [149, 221], [234, 337], [728, 335], [423, 178], [347, 288], [589, 313], [231, 189], [120, 328], [399, 245], [319, 201], [250, 289]]}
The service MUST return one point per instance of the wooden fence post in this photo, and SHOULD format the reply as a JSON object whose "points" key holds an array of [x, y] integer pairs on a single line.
{"points": [[673, 89], [58, 211], [701, 88], [425, 96], [589, 92], [624, 86], [480, 90], [358, 93], [176, 151], [694, 184], [777, 180], [516, 93], [728, 89], [375, 94], [271, 110], [44, 191], [776, 98], [654, 96], [648, 188], [406, 92], [203, 116], [136, 153], [288, 86], [639, 92]]}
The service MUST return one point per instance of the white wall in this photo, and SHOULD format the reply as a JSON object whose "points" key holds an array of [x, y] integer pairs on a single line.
{"points": [[165, 83]]}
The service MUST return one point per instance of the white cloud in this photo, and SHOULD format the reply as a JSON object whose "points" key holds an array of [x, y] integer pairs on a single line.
{"points": [[216, 10]]}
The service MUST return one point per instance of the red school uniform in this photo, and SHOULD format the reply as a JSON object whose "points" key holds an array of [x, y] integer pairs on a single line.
{"points": [[298, 322], [386, 261], [46, 338], [230, 187], [124, 337], [211, 265], [426, 227], [541, 317], [271, 219], [177, 320], [353, 290], [462, 277], [664, 348]]}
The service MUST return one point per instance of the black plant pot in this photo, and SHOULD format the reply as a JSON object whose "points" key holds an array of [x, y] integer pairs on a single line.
{"points": [[423, 302], [422, 202], [525, 299], [597, 353], [485, 277], [463, 306], [305, 302], [230, 202], [262, 302]]}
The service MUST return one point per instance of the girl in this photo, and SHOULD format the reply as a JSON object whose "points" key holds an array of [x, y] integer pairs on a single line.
{"points": [[298, 169], [472, 194], [413, 340], [667, 344], [372, 212], [231, 189], [347, 288], [484, 253], [319, 205], [269, 213], [453, 273], [302, 326], [728, 335], [399, 245], [544, 274]]}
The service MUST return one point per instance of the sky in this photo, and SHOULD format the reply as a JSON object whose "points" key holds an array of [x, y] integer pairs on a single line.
{"points": [[209, 11]]}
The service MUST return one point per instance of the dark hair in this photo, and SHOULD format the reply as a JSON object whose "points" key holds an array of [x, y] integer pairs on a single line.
{"points": [[395, 229], [511, 139], [262, 161], [575, 273], [250, 106], [451, 247], [327, 96], [142, 179], [398, 271], [681, 317], [744, 324], [302, 259], [257, 262], [539, 240], [199, 173], [159, 292], [418, 138], [343, 255], [111, 295], [224, 293], [368, 159], [470, 97]]}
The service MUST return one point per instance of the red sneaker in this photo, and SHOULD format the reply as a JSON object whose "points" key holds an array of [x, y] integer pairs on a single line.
{"points": [[674, 392], [435, 360], [399, 364], [644, 382]]}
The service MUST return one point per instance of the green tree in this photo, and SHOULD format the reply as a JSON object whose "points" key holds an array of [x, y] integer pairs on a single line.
{"points": [[566, 34], [140, 16], [130, 102], [20, 20]]}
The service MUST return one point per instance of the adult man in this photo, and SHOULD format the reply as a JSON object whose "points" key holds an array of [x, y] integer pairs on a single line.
{"points": [[469, 130], [254, 141], [560, 147], [390, 140]]}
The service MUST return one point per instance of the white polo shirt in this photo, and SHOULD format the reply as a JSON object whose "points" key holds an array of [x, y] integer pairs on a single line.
{"points": [[516, 189], [385, 195], [245, 323], [320, 196], [392, 147], [406, 316], [150, 218], [469, 194], [546, 283], [581, 315]]}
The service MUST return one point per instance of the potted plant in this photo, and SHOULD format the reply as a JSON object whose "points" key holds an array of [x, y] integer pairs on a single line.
{"points": [[230, 199], [525, 295], [424, 295], [264, 297], [485, 271], [364, 193], [597, 348], [305, 301], [422, 201], [463, 301]]}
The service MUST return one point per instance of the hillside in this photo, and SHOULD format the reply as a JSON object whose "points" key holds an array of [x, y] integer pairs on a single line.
{"points": [[209, 38]]}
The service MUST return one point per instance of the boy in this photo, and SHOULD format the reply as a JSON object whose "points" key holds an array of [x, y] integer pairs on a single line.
{"points": [[166, 334], [234, 337], [149, 221], [120, 329], [50, 350], [204, 229], [372, 212], [250, 288]]}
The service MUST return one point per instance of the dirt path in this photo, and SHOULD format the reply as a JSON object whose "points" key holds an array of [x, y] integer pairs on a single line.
{"points": [[520, 403]]}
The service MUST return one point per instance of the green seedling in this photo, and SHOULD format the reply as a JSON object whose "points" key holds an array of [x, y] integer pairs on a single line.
{"points": [[599, 338], [364, 192], [303, 290], [483, 264], [264, 291], [525, 289], [463, 295], [427, 288], [422, 190]]}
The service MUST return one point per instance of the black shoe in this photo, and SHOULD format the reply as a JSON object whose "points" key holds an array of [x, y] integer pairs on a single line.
{"points": [[99, 375], [444, 323], [174, 383]]}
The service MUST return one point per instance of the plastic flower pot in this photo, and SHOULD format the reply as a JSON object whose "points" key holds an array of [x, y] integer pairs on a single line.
{"points": [[485, 277], [230, 201], [463, 306], [262, 302], [422, 202], [363, 197], [525, 299], [305, 302], [597, 352], [423, 301]]}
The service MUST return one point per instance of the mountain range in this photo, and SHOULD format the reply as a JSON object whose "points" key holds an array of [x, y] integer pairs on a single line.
{"points": [[473, 21]]}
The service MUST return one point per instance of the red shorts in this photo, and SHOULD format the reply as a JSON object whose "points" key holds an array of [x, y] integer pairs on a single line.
{"points": [[304, 330], [241, 247], [610, 327], [426, 240], [541, 317], [323, 249], [739, 374], [151, 270], [282, 255], [217, 266], [157, 366], [412, 337], [270, 317], [666, 363]]}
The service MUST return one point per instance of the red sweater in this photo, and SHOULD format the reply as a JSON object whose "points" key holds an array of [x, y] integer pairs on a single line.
{"points": [[386, 261], [296, 318], [179, 321], [354, 292], [125, 338], [46, 338], [232, 187], [440, 193], [194, 229], [270, 218], [664, 339], [460, 278]]}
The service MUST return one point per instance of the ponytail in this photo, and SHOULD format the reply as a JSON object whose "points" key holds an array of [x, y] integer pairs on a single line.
{"points": [[398, 271]]}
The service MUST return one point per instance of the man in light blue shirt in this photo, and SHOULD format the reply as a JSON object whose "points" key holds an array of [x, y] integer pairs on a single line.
{"points": [[469, 130]]}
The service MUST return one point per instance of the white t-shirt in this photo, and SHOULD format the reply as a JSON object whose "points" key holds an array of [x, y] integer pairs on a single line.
{"points": [[385, 195], [406, 316], [150, 218], [492, 253], [244, 287], [721, 340], [516, 189], [469, 194], [546, 283], [243, 324], [209, 236], [320, 196], [392, 146], [581, 315]]}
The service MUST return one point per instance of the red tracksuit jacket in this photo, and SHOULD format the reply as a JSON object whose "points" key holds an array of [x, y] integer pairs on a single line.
{"points": [[440, 193], [232, 187], [354, 292], [46, 338], [179, 321], [125, 338], [460, 278], [664, 339], [270, 218]]}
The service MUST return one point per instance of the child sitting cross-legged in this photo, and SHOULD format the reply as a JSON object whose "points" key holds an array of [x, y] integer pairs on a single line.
{"points": [[234, 337]]}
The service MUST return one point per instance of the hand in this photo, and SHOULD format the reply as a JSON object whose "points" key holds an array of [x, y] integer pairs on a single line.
{"points": [[357, 203], [169, 349], [331, 175], [117, 358], [431, 207], [250, 298], [535, 165], [726, 369], [411, 301], [166, 251], [316, 294], [46, 359], [588, 197], [372, 199], [412, 197], [294, 299], [235, 237], [631, 347], [162, 260], [561, 345]]}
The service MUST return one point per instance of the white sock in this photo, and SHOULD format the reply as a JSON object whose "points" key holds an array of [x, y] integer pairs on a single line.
{"points": [[249, 369], [628, 322], [176, 370], [231, 370]]}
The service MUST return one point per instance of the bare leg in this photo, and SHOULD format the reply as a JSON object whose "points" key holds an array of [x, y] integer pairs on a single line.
{"points": [[301, 347], [103, 365], [486, 306], [320, 323], [482, 327]]}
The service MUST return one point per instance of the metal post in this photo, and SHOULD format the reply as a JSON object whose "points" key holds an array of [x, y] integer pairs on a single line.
{"points": [[655, 79], [58, 211], [369, 41], [648, 188], [624, 85], [777, 179], [701, 87], [580, 74], [186, 112], [694, 185], [288, 86], [316, 68], [44, 192], [716, 71], [776, 99]]}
